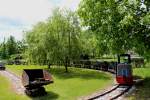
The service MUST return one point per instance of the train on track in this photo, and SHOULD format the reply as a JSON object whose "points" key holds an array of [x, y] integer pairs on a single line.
{"points": [[121, 68], [123, 71], [97, 65]]}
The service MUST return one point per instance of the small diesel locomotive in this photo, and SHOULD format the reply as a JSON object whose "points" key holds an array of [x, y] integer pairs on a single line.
{"points": [[124, 70]]}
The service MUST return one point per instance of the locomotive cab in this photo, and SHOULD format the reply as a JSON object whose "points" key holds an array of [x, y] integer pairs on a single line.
{"points": [[124, 71]]}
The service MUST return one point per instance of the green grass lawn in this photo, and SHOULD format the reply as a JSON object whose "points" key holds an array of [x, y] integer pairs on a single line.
{"points": [[6, 92], [72, 85], [143, 90]]}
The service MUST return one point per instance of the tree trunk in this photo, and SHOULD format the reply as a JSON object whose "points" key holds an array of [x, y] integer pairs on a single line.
{"points": [[66, 64], [49, 66], [66, 67]]}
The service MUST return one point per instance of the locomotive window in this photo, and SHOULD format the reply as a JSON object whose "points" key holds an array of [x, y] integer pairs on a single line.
{"points": [[124, 72], [119, 71], [124, 60]]}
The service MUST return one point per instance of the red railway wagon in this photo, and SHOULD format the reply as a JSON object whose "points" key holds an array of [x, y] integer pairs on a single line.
{"points": [[124, 70]]}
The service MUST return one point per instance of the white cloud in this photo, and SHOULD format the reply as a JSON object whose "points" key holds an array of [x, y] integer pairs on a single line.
{"points": [[17, 33], [19, 15], [72, 4], [28, 11]]}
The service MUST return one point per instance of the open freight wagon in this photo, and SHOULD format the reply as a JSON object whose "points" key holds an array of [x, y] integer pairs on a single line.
{"points": [[34, 80]]}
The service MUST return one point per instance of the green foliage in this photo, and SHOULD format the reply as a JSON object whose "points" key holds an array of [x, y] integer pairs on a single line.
{"points": [[3, 51], [11, 47], [91, 44], [56, 40], [119, 23], [21, 47]]}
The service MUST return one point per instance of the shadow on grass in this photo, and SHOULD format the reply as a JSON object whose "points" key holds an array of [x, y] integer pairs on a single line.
{"points": [[142, 91], [78, 73], [49, 96]]}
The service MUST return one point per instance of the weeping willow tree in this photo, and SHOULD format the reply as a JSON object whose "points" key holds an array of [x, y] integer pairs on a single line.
{"points": [[55, 41]]}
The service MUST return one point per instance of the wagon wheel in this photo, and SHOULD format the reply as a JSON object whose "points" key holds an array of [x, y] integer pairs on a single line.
{"points": [[42, 91], [29, 93]]}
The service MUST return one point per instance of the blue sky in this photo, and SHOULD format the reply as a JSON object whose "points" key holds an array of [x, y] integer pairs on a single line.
{"points": [[17, 16]]}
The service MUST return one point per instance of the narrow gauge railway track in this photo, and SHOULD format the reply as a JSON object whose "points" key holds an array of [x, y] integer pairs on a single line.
{"points": [[117, 91], [113, 94]]}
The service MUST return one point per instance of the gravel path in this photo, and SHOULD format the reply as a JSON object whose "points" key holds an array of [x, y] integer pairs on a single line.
{"points": [[15, 80]]}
